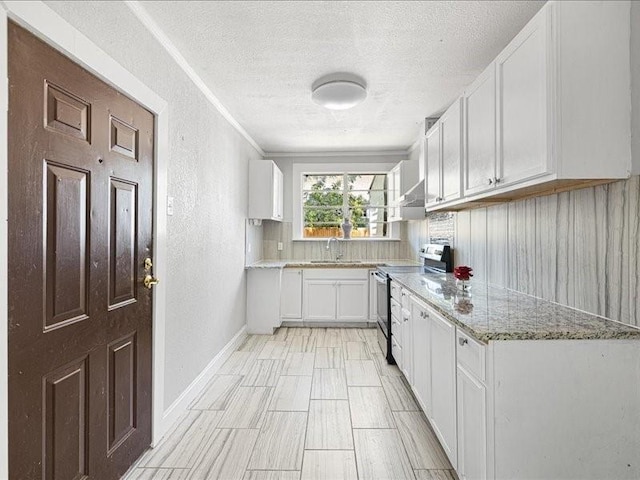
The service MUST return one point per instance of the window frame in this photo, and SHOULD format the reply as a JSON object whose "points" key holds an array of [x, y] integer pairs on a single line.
{"points": [[302, 169]]}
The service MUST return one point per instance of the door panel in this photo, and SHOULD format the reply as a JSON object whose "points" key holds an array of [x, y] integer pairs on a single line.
{"points": [[80, 226]]}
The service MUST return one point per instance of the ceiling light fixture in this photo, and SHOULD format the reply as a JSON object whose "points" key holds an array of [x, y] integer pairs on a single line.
{"points": [[339, 91]]}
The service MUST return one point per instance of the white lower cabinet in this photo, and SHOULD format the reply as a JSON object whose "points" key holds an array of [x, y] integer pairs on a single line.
{"points": [[472, 427], [443, 384], [421, 354], [335, 295], [291, 294]]}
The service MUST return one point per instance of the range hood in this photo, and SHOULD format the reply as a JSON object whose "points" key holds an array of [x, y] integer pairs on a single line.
{"points": [[414, 196]]}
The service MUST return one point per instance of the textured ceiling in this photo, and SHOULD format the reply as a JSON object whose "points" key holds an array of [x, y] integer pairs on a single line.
{"points": [[260, 59]]}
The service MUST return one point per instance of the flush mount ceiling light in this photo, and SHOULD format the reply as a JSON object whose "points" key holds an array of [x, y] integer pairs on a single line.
{"points": [[339, 91]]}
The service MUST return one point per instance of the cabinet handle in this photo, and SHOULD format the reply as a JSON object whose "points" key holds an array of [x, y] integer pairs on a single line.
{"points": [[496, 180], [462, 341], [491, 181]]}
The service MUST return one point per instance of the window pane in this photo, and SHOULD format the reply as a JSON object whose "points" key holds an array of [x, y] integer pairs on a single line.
{"points": [[321, 231], [314, 216], [322, 198], [331, 181], [367, 181]]}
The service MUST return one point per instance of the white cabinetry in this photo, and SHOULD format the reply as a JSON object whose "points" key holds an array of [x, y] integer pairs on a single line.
{"points": [[550, 113], [432, 175], [400, 179], [421, 354], [471, 410], [263, 300], [266, 194], [291, 294], [407, 336], [443, 384], [373, 297], [335, 295], [480, 133], [524, 103]]}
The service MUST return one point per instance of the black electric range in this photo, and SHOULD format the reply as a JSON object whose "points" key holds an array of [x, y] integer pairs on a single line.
{"points": [[436, 259]]}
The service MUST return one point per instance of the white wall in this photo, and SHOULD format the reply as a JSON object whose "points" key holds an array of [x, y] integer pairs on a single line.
{"points": [[208, 177], [635, 82]]}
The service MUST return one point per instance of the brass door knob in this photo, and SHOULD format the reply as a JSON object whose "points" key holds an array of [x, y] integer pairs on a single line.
{"points": [[149, 281]]}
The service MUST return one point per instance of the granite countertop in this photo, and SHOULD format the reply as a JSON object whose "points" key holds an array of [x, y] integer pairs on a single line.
{"points": [[491, 313], [329, 264]]}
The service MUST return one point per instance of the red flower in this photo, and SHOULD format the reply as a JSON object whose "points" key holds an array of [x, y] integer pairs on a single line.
{"points": [[463, 272]]}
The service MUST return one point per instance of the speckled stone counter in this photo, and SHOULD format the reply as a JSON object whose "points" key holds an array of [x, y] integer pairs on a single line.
{"points": [[329, 264], [491, 313]]}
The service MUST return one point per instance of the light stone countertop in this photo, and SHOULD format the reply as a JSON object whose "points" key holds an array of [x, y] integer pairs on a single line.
{"points": [[492, 313], [329, 264]]}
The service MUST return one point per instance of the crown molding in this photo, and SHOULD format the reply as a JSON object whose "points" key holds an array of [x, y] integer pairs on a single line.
{"points": [[348, 153], [155, 30]]}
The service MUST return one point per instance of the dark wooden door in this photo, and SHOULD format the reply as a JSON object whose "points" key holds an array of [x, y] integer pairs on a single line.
{"points": [[80, 228]]}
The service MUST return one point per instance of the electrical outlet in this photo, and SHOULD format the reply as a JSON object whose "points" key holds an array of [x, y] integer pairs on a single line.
{"points": [[280, 246], [169, 206]]}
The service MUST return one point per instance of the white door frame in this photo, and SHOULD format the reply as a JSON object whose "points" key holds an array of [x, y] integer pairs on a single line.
{"points": [[46, 24]]}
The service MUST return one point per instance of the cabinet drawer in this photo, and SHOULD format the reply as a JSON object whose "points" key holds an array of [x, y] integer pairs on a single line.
{"points": [[396, 351], [396, 309], [471, 355], [395, 291]]}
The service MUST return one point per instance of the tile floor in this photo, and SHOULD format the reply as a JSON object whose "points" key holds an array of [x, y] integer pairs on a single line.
{"points": [[302, 404]]}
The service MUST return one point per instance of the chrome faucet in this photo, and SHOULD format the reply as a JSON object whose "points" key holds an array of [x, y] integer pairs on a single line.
{"points": [[338, 254]]}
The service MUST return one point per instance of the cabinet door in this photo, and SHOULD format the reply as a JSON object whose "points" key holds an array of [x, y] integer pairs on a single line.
{"points": [[432, 182], [319, 300], [524, 103], [421, 356], [352, 301], [291, 294], [393, 178], [451, 146], [480, 122], [472, 427], [407, 345], [443, 384], [278, 193], [373, 297]]}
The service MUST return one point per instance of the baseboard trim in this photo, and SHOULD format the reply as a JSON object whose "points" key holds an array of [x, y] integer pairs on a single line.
{"points": [[180, 405]]}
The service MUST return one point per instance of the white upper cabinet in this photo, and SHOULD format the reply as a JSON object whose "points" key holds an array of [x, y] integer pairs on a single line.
{"points": [[551, 112], [432, 175], [524, 103], [400, 179], [451, 146], [266, 191], [480, 130]]}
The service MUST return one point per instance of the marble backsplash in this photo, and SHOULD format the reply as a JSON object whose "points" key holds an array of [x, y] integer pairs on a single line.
{"points": [[275, 232]]}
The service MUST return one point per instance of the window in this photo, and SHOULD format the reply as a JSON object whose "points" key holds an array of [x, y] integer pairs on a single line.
{"points": [[329, 198]]}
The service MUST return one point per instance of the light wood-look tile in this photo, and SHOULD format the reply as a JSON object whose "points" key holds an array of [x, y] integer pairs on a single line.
{"points": [[247, 408], [300, 343], [329, 426], [273, 350], [299, 363], [158, 474], [329, 465], [239, 363], [226, 455], [329, 357], [351, 335], [264, 373], [384, 369], [362, 373], [291, 394], [271, 475], [331, 338], [329, 384], [254, 343], [398, 394], [356, 350], [420, 442], [369, 408], [380, 455], [435, 475], [181, 446], [281, 442], [297, 331], [218, 393], [281, 334]]}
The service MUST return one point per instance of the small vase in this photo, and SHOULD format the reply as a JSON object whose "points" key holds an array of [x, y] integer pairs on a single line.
{"points": [[463, 285], [346, 229]]}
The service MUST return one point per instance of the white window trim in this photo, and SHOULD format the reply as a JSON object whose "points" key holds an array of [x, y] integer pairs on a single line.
{"points": [[301, 169]]}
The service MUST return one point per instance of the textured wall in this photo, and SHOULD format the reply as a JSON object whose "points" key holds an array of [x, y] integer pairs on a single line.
{"points": [[208, 175]]}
